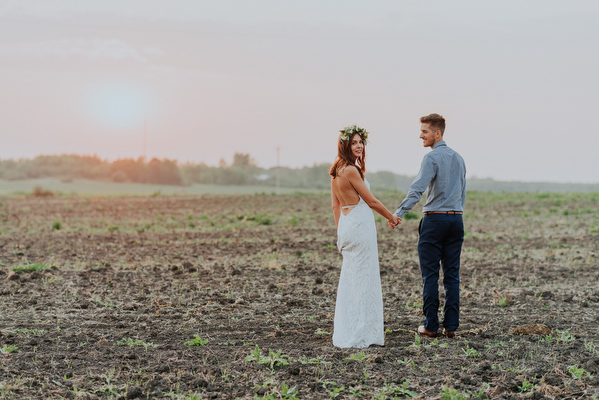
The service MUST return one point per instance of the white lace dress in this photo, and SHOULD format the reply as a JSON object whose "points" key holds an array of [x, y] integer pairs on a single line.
{"points": [[359, 307]]}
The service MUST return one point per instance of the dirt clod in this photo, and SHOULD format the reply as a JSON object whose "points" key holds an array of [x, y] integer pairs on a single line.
{"points": [[532, 329]]}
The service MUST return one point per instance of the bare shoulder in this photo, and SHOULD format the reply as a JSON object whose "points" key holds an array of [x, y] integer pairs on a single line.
{"points": [[351, 171]]}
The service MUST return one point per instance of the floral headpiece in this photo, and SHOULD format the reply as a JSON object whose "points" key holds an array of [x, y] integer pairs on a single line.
{"points": [[350, 131]]}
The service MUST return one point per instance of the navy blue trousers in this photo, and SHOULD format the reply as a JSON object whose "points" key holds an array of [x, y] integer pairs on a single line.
{"points": [[440, 245]]}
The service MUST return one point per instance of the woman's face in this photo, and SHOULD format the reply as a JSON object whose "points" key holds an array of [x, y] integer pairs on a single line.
{"points": [[357, 146]]}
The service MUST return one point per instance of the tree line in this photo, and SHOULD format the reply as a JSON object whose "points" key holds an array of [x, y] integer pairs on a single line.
{"points": [[243, 170]]}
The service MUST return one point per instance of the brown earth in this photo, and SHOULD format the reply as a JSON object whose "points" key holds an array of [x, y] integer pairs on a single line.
{"points": [[98, 298]]}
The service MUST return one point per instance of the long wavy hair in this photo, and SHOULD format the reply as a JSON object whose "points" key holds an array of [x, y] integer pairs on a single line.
{"points": [[346, 157]]}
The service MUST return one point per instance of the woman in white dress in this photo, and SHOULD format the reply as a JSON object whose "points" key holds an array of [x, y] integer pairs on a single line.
{"points": [[359, 306]]}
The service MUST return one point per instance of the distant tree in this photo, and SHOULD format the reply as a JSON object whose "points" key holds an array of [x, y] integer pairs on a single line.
{"points": [[244, 161], [132, 170], [164, 172], [198, 173]]}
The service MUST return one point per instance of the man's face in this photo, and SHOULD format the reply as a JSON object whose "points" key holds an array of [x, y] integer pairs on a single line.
{"points": [[429, 136]]}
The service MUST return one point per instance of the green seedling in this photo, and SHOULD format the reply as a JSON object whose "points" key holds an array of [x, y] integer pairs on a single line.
{"points": [[578, 373], [314, 361], [197, 341], [6, 349], [394, 391], [564, 336], [527, 386], [416, 344], [336, 391], [470, 352], [285, 392], [360, 357], [130, 342], [452, 394], [274, 359], [29, 268]]}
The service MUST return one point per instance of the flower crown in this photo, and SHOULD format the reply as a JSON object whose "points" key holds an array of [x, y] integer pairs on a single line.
{"points": [[350, 131]]}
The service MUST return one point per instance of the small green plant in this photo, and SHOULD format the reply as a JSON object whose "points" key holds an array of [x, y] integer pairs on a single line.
{"points": [[321, 332], [113, 228], [578, 373], [8, 349], [527, 386], [315, 361], [130, 342], [416, 344], [57, 225], [470, 352], [415, 304], [104, 303], [197, 341], [274, 359], [394, 391], [293, 221], [355, 391], [285, 392], [564, 336], [26, 331], [448, 393], [29, 268], [591, 347], [403, 390], [335, 391], [359, 357]]}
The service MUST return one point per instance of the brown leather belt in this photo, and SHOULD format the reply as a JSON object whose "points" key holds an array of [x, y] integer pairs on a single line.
{"points": [[444, 212]]}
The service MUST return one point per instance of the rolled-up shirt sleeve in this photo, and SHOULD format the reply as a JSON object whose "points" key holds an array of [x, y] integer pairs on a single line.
{"points": [[428, 171]]}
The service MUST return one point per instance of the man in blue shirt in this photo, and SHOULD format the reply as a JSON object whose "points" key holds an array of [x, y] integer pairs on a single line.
{"points": [[441, 231]]}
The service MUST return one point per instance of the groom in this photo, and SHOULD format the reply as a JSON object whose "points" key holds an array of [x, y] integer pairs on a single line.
{"points": [[441, 231]]}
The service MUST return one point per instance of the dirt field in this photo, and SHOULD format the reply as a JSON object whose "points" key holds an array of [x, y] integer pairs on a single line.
{"points": [[225, 297]]}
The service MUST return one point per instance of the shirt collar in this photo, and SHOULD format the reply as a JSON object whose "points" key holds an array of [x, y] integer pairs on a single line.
{"points": [[439, 144]]}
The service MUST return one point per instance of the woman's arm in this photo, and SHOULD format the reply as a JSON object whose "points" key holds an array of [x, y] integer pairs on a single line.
{"points": [[356, 180], [335, 204]]}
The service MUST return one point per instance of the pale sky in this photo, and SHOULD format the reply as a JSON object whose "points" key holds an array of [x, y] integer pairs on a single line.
{"points": [[516, 80]]}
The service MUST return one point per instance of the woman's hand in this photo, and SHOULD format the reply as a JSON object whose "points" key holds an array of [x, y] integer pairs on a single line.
{"points": [[394, 221]]}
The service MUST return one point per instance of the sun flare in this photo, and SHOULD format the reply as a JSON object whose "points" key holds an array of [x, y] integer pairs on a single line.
{"points": [[118, 105]]}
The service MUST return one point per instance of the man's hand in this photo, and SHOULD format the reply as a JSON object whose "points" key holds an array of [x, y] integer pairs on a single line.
{"points": [[394, 221]]}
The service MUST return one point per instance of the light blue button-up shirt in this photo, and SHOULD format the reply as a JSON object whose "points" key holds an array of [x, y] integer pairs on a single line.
{"points": [[443, 175]]}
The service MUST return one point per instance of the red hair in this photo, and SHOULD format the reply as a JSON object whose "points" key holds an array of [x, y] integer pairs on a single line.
{"points": [[346, 157]]}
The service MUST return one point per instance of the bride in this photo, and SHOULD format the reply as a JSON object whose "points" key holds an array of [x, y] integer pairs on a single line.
{"points": [[359, 307]]}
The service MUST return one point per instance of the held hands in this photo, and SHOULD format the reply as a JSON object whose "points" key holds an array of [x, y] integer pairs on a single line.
{"points": [[394, 221]]}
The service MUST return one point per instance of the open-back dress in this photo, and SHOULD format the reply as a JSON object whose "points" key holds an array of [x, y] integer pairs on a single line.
{"points": [[359, 307]]}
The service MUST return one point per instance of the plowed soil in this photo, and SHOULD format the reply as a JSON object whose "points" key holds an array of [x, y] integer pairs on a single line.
{"points": [[226, 297]]}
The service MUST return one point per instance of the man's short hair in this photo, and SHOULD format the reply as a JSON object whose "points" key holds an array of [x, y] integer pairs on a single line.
{"points": [[436, 121]]}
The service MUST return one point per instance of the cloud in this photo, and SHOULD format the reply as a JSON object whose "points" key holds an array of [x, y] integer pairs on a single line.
{"points": [[91, 49]]}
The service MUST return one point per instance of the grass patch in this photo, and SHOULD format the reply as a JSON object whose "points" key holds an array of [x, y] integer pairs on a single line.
{"points": [[29, 268]]}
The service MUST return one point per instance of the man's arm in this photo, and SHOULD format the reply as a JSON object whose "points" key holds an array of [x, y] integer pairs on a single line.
{"points": [[426, 174]]}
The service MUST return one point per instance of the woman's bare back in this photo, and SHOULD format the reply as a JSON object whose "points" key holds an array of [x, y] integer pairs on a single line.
{"points": [[348, 198]]}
